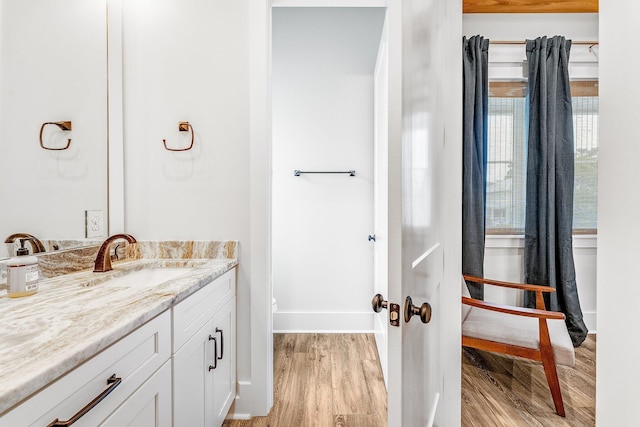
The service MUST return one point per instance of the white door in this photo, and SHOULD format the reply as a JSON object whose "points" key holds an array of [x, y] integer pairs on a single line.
{"points": [[423, 239], [380, 194]]}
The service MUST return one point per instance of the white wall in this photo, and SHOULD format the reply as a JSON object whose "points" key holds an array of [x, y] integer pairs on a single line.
{"points": [[504, 254], [618, 371], [189, 61], [260, 388], [54, 68], [521, 26], [504, 260], [323, 63]]}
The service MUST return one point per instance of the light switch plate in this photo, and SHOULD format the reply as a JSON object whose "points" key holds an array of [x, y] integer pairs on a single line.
{"points": [[94, 224]]}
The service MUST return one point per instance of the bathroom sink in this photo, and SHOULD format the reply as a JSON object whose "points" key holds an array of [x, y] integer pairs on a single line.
{"points": [[143, 277]]}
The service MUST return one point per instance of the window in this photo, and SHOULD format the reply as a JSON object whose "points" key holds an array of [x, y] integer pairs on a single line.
{"points": [[507, 157], [585, 129]]}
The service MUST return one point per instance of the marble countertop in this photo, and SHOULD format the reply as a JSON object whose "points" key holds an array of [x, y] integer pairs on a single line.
{"points": [[74, 316]]}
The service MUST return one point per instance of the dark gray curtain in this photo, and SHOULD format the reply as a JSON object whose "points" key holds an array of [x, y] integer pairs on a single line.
{"points": [[474, 152], [548, 252]]}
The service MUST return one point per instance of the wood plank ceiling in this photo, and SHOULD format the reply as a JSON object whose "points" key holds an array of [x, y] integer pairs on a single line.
{"points": [[530, 6]]}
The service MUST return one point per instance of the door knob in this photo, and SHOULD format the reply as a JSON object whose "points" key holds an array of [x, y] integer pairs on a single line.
{"points": [[372, 237], [378, 303], [424, 311]]}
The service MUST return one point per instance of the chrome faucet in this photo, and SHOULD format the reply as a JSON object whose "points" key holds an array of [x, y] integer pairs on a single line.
{"points": [[103, 259], [36, 244]]}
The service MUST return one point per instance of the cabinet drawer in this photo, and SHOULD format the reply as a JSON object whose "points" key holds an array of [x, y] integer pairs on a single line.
{"points": [[134, 359], [192, 313], [150, 405]]}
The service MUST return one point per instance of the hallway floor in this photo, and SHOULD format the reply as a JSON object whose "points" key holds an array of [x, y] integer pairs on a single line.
{"points": [[325, 380]]}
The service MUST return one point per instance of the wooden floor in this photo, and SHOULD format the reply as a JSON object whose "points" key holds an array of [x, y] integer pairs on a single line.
{"points": [[325, 380], [335, 380], [500, 390]]}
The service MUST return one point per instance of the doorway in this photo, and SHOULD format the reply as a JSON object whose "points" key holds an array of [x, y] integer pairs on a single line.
{"points": [[325, 109], [323, 167], [417, 127]]}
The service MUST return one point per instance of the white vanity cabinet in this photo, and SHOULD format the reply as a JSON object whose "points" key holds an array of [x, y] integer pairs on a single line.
{"points": [[204, 360], [142, 396], [178, 369]]}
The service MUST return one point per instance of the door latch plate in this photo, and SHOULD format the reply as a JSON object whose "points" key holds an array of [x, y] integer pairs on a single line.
{"points": [[394, 314]]}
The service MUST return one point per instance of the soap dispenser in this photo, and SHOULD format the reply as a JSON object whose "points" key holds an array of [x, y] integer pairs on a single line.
{"points": [[22, 273]]}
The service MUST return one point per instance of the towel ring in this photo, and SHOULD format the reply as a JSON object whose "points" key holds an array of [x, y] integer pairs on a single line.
{"points": [[182, 127], [65, 126]]}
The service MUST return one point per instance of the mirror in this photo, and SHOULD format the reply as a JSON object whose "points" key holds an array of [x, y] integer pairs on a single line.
{"points": [[53, 93]]}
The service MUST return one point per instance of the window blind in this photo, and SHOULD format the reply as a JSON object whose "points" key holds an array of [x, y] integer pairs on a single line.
{"points": [[507, 153]]}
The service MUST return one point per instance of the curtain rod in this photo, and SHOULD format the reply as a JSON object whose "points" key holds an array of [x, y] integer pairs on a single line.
{"points": [[584, 42]]}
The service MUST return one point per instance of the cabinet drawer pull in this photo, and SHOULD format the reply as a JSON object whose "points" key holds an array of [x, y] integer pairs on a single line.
{"points": [[113, 382], [215, 353], [221, 342]]}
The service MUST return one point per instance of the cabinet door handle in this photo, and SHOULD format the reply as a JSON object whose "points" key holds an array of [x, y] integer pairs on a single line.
{"points": [[113, 382], [221, 342], [215, 353]]}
